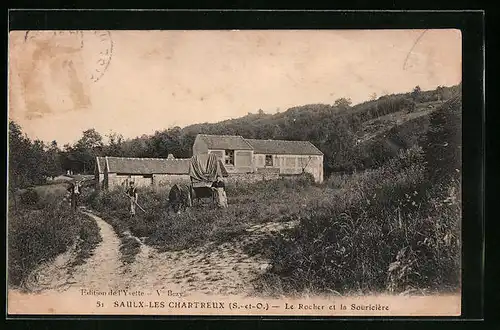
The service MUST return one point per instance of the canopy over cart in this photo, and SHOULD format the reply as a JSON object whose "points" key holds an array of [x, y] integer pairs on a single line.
{"points": [[204, 170]]}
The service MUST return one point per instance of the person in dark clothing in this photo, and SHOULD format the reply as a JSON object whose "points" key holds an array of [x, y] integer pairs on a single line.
{"points": [[219, 189], [133, 196], [74, 191], [180, 197], [219, 183]]}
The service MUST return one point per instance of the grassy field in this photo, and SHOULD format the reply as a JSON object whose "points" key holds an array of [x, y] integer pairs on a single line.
{"points": [[41, 228], [276, 201]]}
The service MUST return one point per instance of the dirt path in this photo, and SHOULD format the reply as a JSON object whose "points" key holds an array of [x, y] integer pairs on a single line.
{"points": [[98, 270], [103, 267], [224, 269]]}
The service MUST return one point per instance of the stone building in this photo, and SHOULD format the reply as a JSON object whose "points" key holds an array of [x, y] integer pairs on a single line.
{"points": [[119, 171], [289, 157], [240, 159], [252, 158]]}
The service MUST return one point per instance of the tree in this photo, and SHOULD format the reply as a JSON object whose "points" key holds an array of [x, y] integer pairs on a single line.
{"points": [[342, 102], [416, 94], [86, 149], [38, 160], [91, 140], [27, 159], [115, 145], [30, 162], [53, 160], [439, 93], [18, 145], [373, 96], [161, 144]]}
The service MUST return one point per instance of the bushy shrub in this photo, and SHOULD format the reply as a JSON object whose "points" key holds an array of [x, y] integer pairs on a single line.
{"points": [[29, 198], [444, 141], [129, 248], [39, 235], [337, 180], [376, 152], [288, 183]]}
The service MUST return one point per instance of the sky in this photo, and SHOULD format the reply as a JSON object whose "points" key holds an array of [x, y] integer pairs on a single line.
{"points": [[137, 82]]}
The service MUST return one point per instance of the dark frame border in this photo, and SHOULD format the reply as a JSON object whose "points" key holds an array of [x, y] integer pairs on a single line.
{"points": [[471, 24]]}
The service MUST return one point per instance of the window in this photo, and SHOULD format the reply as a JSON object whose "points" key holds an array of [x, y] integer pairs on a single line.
{"points": [[229, 157], [269, 160]]}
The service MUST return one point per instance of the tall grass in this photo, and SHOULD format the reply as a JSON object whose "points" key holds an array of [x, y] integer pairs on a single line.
{"points": [[38, 232], [384, 231]]}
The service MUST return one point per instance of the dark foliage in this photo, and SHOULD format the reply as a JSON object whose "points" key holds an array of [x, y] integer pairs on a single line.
{"points": [[38, 234], [29, 198], [443, 142]]}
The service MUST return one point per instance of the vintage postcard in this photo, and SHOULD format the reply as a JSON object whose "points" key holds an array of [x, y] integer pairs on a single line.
{"points": [[235, 172]]}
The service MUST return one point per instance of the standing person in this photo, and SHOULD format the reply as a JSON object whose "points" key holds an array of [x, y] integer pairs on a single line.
{"points": [[133, 196], [220, 193], [74, 190]]}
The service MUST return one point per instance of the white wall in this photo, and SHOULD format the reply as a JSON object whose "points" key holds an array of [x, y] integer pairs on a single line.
{"points": [[242, 160], [115, 180], [158, 180], [294, 164], [168, 180]]}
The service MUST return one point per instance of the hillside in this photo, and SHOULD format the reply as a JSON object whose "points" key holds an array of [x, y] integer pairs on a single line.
{"points": [[351, 137], [341, 133]]}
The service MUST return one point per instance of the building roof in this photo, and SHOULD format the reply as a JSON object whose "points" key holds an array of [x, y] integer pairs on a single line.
{"points": [[282, 147], [147, 165], [101, 164], [232, 142]]}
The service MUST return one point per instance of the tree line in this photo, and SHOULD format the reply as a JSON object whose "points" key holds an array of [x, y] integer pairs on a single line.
{"points": [[332, 128]]}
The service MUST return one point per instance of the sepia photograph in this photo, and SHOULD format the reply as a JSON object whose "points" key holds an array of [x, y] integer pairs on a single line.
{"points": [[235, 172]]}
